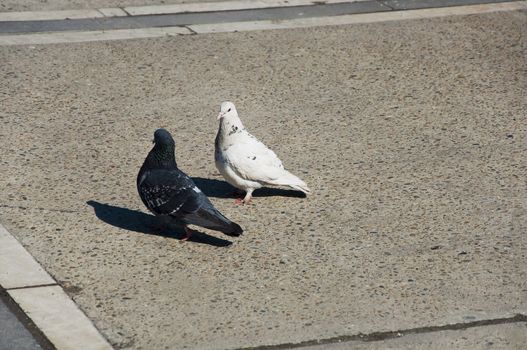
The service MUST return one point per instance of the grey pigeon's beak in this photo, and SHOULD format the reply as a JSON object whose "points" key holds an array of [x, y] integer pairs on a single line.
{"points": [[220, 115]]}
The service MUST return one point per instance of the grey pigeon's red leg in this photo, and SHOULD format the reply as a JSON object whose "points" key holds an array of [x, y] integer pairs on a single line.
{"points": [[188, 232]]}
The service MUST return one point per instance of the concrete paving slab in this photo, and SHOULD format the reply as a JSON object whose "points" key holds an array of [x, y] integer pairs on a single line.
{"points": [[49, 15], [410, 133], [506, 336], [17, 267]]}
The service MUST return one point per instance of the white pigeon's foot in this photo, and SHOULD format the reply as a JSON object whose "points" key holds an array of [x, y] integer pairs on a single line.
{"points": [[245, 199], [248, 196]]}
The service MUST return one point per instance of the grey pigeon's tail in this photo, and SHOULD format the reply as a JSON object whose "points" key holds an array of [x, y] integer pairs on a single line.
{"points": [[209, 217]]}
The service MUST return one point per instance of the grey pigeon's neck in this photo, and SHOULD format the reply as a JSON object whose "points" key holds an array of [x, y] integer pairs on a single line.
{"points": [[162, 157]]}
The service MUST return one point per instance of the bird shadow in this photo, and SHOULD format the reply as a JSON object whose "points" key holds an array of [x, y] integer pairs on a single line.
{"points": [[221, 189], [134, 220]]}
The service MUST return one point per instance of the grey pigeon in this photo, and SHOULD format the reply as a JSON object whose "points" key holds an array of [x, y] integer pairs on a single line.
{"points": [[245, 162], [168, 192]]}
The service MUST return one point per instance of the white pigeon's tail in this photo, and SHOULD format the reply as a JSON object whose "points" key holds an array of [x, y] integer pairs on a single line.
{"points": [[290, 180]]}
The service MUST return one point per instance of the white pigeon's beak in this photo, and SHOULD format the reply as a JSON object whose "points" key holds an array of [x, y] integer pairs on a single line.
{"points": [[220, 115]]}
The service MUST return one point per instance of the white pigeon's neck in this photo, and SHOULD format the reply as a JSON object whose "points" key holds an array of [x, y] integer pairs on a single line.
{"points": [[229, 127], [232, 123]]}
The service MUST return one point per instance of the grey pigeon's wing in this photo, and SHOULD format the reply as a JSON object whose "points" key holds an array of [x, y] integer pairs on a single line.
{"points": [[168, 192]]}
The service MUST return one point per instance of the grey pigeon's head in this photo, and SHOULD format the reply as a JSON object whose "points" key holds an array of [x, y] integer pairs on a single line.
{"points": [[227, 109], [162, 154], [162, 138]]}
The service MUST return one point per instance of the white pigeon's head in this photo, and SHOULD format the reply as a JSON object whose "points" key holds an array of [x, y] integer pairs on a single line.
{"points": [[227, 109]]}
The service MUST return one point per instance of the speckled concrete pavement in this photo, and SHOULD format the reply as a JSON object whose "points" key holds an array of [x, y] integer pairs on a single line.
{"points": [[410, 134]]}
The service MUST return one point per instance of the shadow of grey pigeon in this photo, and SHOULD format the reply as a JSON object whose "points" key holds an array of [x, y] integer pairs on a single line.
{"points": [[137, 221]]}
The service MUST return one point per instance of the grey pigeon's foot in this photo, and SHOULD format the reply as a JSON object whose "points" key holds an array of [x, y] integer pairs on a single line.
{"points": [[188, 232]]}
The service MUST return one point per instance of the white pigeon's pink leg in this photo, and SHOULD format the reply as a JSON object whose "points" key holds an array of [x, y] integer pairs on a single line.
{"points": [[245, 199], [248, 196], [189, 233]]}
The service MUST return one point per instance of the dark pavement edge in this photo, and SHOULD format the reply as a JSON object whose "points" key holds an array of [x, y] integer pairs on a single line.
{"points": [[24, 321]]}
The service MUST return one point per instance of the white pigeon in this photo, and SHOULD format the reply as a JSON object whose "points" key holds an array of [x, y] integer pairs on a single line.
{"points": [[245, 162]]}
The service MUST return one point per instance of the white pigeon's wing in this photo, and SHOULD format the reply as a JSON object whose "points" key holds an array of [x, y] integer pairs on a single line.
{"points": [[252, 160]]}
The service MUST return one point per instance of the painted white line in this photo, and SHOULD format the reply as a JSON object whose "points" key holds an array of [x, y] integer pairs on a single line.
{"points": [[57, 316], [113, 12], [17, 267], [224, 6], [358, 18], [49, 15], [78, 37]]}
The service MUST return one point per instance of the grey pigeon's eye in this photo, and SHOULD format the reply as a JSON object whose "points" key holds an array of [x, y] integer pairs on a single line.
{"points": [[229, 110]]}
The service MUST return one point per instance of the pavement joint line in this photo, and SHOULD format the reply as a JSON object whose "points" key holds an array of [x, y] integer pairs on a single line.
{"points": [[43, 300], [386, 335], [191, 30], [124, 9], [33, 286]]}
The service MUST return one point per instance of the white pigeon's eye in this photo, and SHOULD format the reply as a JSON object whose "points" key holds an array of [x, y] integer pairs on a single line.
{"points": [[229, 110]]}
